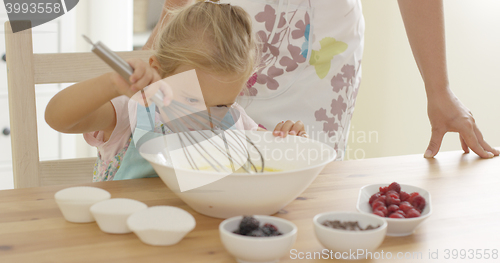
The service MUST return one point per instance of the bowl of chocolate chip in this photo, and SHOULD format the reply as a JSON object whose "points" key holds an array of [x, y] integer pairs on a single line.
{"points": [[345, 233]]}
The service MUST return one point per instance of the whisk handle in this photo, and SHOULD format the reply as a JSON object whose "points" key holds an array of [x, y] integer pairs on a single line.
{"points": [[158, 99]]}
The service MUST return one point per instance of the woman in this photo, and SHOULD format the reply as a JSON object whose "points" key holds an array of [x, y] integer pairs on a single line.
{"points": [[313, 50]]}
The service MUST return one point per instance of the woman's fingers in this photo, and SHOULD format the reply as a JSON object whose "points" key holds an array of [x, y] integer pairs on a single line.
{"points": [[483, 143], [464, 145], [435, 143], [472, 142]]}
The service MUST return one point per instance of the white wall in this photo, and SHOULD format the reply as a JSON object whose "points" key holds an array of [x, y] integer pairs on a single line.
{"points": [[391, 105], [108, 21]]}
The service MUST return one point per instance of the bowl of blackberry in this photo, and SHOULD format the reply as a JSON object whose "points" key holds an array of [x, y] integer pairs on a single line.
{"points": [[257, 238]]}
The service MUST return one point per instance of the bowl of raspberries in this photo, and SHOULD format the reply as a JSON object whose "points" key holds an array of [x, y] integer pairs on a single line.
{"points": [[257, 238], [404, 207]]}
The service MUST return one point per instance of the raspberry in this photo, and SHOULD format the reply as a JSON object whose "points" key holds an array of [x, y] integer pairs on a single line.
{"points": [[392, 208], [405, 206], [404, 196], [380, 198], [395, 186], [377, 204], [401, 213], [396, 215], [384, 189], [373, 197], [392, 199], [383, 209], [247, 225], [412, 213], [392, 194], [379, 213], [412, 195], [418, 202]]}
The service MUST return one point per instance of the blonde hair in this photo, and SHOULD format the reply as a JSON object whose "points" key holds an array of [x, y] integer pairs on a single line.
{"points": [[210, 36]]}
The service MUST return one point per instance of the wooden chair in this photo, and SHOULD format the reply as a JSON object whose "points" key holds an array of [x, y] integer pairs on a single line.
{"points": [[24, 70]]}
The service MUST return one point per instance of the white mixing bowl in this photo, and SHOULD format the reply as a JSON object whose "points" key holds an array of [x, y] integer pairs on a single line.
{"points": [[225, 195]]}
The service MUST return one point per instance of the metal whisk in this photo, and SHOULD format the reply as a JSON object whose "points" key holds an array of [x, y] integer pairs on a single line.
{"points": [[191, 125], [182, 117]]}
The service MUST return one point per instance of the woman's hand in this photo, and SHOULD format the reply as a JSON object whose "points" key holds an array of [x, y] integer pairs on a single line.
{"points": [[448, 114], [289, 127], [144, 78]]}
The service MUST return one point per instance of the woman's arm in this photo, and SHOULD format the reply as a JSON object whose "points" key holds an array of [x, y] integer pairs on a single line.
{"points": [[424, 23]]}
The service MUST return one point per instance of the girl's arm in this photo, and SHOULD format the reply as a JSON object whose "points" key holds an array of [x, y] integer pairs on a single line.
{"points": [[83, 107], [86, 107]]}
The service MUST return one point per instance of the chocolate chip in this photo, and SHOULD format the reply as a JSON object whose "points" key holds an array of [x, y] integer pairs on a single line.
{"points": [[348, 225]]}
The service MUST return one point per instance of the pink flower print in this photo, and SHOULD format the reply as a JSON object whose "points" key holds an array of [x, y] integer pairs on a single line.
{"points": [[292, 63], [342, 83], [338, 107], [344, 79], [268, 16], [301, 26], [269, 78], [330, 127], [274, 72], [250, 83], [266, 46]]}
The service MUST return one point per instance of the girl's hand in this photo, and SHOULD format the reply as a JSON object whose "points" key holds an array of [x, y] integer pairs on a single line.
{"points": [[144, 76], [289, 127]]}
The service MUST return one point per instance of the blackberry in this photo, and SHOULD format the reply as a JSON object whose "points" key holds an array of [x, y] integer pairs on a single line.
{"points": [[270, 230], [257, 233], [247, 225]]}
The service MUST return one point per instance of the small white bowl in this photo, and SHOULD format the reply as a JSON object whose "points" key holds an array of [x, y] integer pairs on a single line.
{"points": [[111, 215], [75, 202], [248, 249], [396, 227], [339, 240], [161, 225]]}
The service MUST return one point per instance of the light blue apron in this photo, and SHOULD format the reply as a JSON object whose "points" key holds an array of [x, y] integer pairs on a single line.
{"points": [[133, 165]]}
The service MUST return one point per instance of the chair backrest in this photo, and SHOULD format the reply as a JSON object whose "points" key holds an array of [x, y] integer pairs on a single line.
{"points": [[24, 70]]}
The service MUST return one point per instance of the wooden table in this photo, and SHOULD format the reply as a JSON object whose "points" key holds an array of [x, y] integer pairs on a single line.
{"points": [[465, 199]]}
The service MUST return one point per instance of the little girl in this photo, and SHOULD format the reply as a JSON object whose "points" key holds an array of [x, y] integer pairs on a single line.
{"points": [[213, 40]]}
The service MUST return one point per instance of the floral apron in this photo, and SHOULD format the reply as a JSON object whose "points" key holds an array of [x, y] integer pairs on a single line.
{"points": [[312, 50], [133, 165]]}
